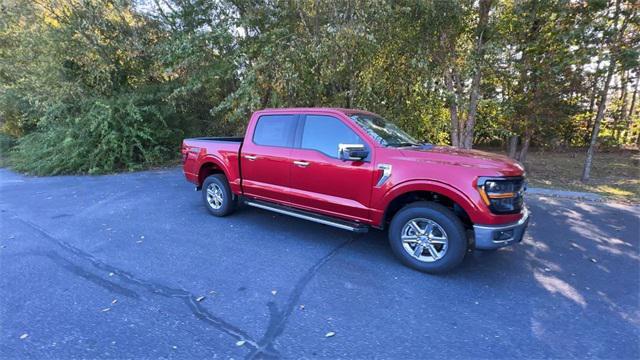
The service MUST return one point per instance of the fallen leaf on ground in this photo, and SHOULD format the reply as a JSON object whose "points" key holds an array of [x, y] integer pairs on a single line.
{"points": [[330, 334]]}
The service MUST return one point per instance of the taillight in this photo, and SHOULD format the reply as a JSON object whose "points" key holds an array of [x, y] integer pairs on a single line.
{"points": [[185, 152]]}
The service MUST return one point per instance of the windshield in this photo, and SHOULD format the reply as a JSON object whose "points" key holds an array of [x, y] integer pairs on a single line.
{"points": [[383, 132]]}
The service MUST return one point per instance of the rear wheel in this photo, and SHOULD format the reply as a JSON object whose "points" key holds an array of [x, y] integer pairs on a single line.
{"points": [[428, 237], [217, 195]]}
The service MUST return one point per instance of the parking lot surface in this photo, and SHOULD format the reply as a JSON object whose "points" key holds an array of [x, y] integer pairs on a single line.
{"points": [[133, 266]]}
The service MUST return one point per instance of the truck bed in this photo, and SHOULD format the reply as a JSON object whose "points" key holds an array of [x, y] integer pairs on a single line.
{"points": [[222, 151], [225, 139]]}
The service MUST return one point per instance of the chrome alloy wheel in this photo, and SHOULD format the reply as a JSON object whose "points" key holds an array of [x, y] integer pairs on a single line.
{"points": [[214, 196], [424, 239]]}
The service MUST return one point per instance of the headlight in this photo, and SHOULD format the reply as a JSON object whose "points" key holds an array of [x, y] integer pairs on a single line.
{"points": [[502, 195]]}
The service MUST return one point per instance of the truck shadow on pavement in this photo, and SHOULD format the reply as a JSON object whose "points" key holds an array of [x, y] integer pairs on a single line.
{"points": [[575, 272]]}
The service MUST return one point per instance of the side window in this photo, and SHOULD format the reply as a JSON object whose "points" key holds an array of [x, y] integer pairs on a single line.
{"points": [[275, 130], [324, 133]]}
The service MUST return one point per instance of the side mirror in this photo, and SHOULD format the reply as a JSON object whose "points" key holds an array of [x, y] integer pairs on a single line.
{"points": [[352, 152]]}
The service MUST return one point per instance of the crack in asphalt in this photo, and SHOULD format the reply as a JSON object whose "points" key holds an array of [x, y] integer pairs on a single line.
{"points": [[188, 298], [264, 348], [83, 273], [278, 319]]}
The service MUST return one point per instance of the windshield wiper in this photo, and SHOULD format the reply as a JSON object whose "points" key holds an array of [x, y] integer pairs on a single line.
{"points": [[403, 144]]}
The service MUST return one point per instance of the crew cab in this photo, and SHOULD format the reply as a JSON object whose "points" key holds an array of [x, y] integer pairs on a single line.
{"points": [[354, 170]]}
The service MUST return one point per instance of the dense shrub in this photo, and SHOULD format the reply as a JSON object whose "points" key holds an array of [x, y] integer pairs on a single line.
{"points": [[124, 133]]}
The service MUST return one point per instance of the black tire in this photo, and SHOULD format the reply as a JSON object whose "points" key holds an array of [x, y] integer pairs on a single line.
{"points": [[442, 216], [229, 200]]}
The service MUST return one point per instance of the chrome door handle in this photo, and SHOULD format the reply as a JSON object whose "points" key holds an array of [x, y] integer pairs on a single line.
{"points": [[301, 163], [250, 157]]}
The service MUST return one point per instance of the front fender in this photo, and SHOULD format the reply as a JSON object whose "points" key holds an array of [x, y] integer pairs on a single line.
{"points": [[447, 190]]}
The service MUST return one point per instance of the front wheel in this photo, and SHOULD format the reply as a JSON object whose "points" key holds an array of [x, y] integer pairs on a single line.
{"points": [[217, 195], [428, 237]]}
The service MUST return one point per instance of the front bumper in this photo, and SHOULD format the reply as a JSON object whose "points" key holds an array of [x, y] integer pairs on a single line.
{"points": [[494, 237]]}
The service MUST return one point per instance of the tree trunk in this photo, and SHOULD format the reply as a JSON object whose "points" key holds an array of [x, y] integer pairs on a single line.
{"points": [[513, 146], [594, 92], [453, 110], [467, 142], [522, 156], [451, 82], [622, 121], [459, 93], [474, 98], [632, 107], [592, 102], [602, 105]]}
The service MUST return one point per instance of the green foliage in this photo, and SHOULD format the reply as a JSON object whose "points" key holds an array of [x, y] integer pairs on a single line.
{"points": [[6, 144], [125, 132], [94, 86], [86, 95]]}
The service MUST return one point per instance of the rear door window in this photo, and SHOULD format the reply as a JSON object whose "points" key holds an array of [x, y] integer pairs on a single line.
{"points": [[275, 130]]}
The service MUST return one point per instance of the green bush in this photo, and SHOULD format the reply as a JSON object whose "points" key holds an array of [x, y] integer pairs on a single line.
{"points": [[123, 133], [6, 143]]}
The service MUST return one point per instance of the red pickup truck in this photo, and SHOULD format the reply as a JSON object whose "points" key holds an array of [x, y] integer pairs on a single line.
{"points": [[354, 170]]}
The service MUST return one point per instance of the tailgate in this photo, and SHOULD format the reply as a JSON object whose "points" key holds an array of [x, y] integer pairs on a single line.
{"points": [[190, 154]]}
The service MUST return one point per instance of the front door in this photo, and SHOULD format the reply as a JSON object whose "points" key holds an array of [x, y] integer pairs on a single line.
{"points": [[320, 181]]}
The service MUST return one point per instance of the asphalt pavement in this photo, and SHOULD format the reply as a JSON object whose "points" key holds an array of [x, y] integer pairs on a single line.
{"points": [[133, 266]]}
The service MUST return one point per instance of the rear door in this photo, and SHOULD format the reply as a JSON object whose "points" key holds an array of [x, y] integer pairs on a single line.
{"points": [[265, 161], [320, 181]]}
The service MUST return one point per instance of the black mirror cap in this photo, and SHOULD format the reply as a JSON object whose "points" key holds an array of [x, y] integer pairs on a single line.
{"points": [[359, 154], [354, 154]]}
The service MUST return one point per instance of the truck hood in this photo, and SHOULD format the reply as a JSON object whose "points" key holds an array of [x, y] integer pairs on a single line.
{"points": [[447, 155]]}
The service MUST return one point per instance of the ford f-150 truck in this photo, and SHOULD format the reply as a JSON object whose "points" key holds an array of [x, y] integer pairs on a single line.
{"points": [[354, 170]]}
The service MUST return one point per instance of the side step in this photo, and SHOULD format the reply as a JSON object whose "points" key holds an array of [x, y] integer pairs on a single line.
{"points": [[306, 215]]}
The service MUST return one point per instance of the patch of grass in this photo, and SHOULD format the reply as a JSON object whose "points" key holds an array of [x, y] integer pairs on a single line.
{"points": [[615, 174]]}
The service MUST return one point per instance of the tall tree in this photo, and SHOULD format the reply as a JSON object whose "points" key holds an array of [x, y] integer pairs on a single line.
{"points": [[462, 67], [484, 8], [615, 46]]}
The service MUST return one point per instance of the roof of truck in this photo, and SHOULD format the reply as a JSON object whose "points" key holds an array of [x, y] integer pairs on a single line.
{"points": [[313, 109]]}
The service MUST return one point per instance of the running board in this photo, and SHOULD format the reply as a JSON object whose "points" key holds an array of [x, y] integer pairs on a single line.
{"points": [[301, 214]]}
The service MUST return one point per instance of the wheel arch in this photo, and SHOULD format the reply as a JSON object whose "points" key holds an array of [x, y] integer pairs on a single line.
{"points": [[410, 192], [210, 165]]}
